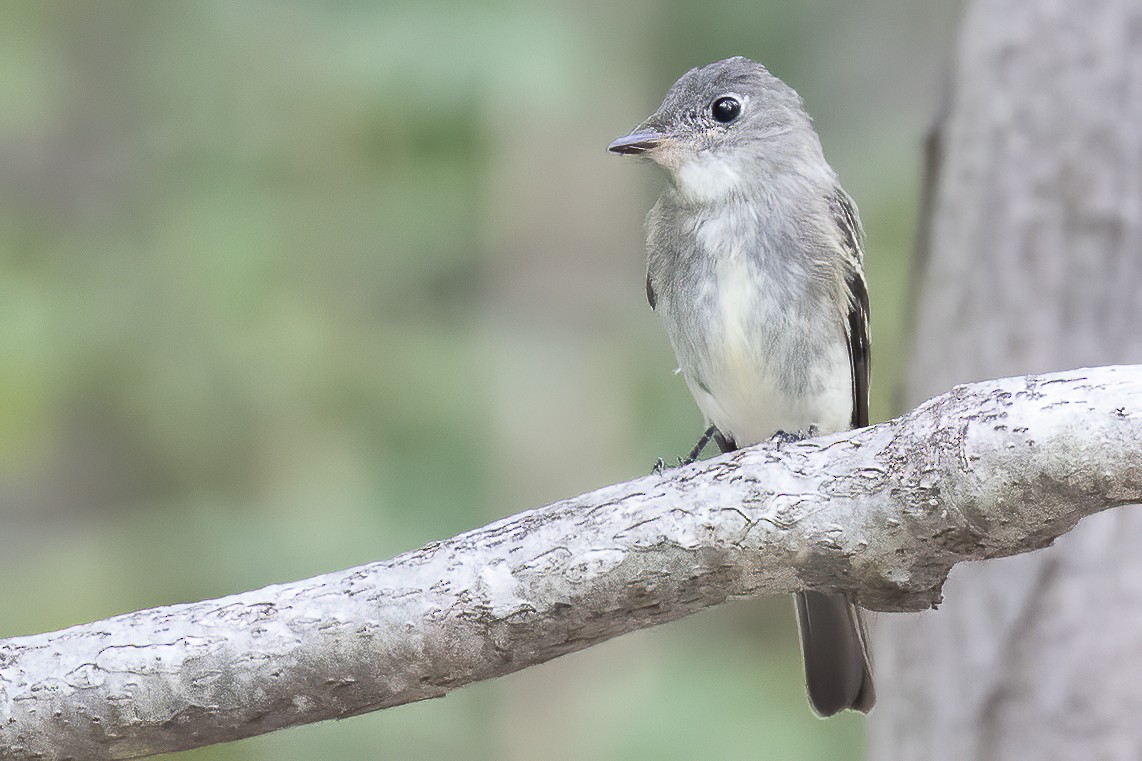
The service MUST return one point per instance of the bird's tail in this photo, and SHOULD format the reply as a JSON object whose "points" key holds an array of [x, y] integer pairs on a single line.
{"points": [[838, 673]]}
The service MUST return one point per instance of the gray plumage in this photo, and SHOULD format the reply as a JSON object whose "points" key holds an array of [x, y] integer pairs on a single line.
{"points": [[754, 265]]}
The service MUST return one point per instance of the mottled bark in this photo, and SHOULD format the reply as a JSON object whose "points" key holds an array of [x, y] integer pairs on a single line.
{"points": [[985, 470], [1034, 264]]}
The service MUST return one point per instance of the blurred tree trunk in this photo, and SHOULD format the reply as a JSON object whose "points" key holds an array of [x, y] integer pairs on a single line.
{"points": [[1031, 261]]}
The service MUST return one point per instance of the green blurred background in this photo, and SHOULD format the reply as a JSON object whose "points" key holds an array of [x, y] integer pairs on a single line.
{"points": [[289, 287]]}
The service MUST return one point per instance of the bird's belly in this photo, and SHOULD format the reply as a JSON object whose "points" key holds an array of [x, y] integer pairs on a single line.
{"points": [[760, 369], [750, 412]]}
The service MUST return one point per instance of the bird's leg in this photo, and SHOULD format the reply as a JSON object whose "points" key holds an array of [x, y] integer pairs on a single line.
{"points": [[695, 453], [724, 442], [703, 440]]}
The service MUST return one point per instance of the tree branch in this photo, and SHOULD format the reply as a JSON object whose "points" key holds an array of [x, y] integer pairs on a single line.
{"points": [[986, 470]]}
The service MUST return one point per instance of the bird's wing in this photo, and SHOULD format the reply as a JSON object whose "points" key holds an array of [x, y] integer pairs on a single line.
{"points": [[845, 216]]}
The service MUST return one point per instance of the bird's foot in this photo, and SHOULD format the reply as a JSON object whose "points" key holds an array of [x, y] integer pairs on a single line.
{"points": [[782, 437], [660, 465]]}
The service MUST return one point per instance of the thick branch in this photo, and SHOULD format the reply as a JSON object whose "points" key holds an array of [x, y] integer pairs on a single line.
{"points": [[986, 470]]}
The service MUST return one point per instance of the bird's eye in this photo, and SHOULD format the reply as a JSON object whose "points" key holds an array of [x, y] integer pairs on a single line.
{"points": [[726, 109]]}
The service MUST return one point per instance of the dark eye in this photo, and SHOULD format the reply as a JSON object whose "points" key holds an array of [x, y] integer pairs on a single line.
{"points": [[726, 109]]}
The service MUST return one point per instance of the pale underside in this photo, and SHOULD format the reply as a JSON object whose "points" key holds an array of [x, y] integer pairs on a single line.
{"points": [[762, 366]]}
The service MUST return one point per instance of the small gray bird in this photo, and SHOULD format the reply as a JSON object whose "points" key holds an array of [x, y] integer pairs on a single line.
{"points": [[754, 265]]}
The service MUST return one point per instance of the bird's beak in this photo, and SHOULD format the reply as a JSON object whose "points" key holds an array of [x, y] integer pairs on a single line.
{"points": [[640, 141]]}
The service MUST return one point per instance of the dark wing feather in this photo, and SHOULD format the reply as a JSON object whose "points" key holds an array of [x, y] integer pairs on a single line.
{"points": [[858, 346], [845, 216]]}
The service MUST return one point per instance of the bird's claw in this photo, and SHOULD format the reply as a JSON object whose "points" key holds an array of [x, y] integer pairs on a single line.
{"points": [[782, 437], [694, 454], [661, 466]]}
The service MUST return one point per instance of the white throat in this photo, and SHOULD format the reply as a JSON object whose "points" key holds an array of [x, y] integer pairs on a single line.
{"points": [[707, 178]]}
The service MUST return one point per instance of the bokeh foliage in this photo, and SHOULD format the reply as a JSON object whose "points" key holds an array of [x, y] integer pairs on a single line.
{"points": [[288, 287]]}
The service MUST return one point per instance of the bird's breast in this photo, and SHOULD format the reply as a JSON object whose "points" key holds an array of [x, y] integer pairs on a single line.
{"points": [[738, 309], [755, 359]]}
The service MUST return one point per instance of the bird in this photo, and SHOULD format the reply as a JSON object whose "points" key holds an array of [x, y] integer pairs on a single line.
{"points": [[755, 266]]}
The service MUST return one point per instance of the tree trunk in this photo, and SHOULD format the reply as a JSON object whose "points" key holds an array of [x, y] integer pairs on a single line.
{"points": [[1033, 263]]}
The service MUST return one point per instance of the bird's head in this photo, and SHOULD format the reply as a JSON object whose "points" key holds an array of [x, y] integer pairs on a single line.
{"points": [[720, 121]]}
